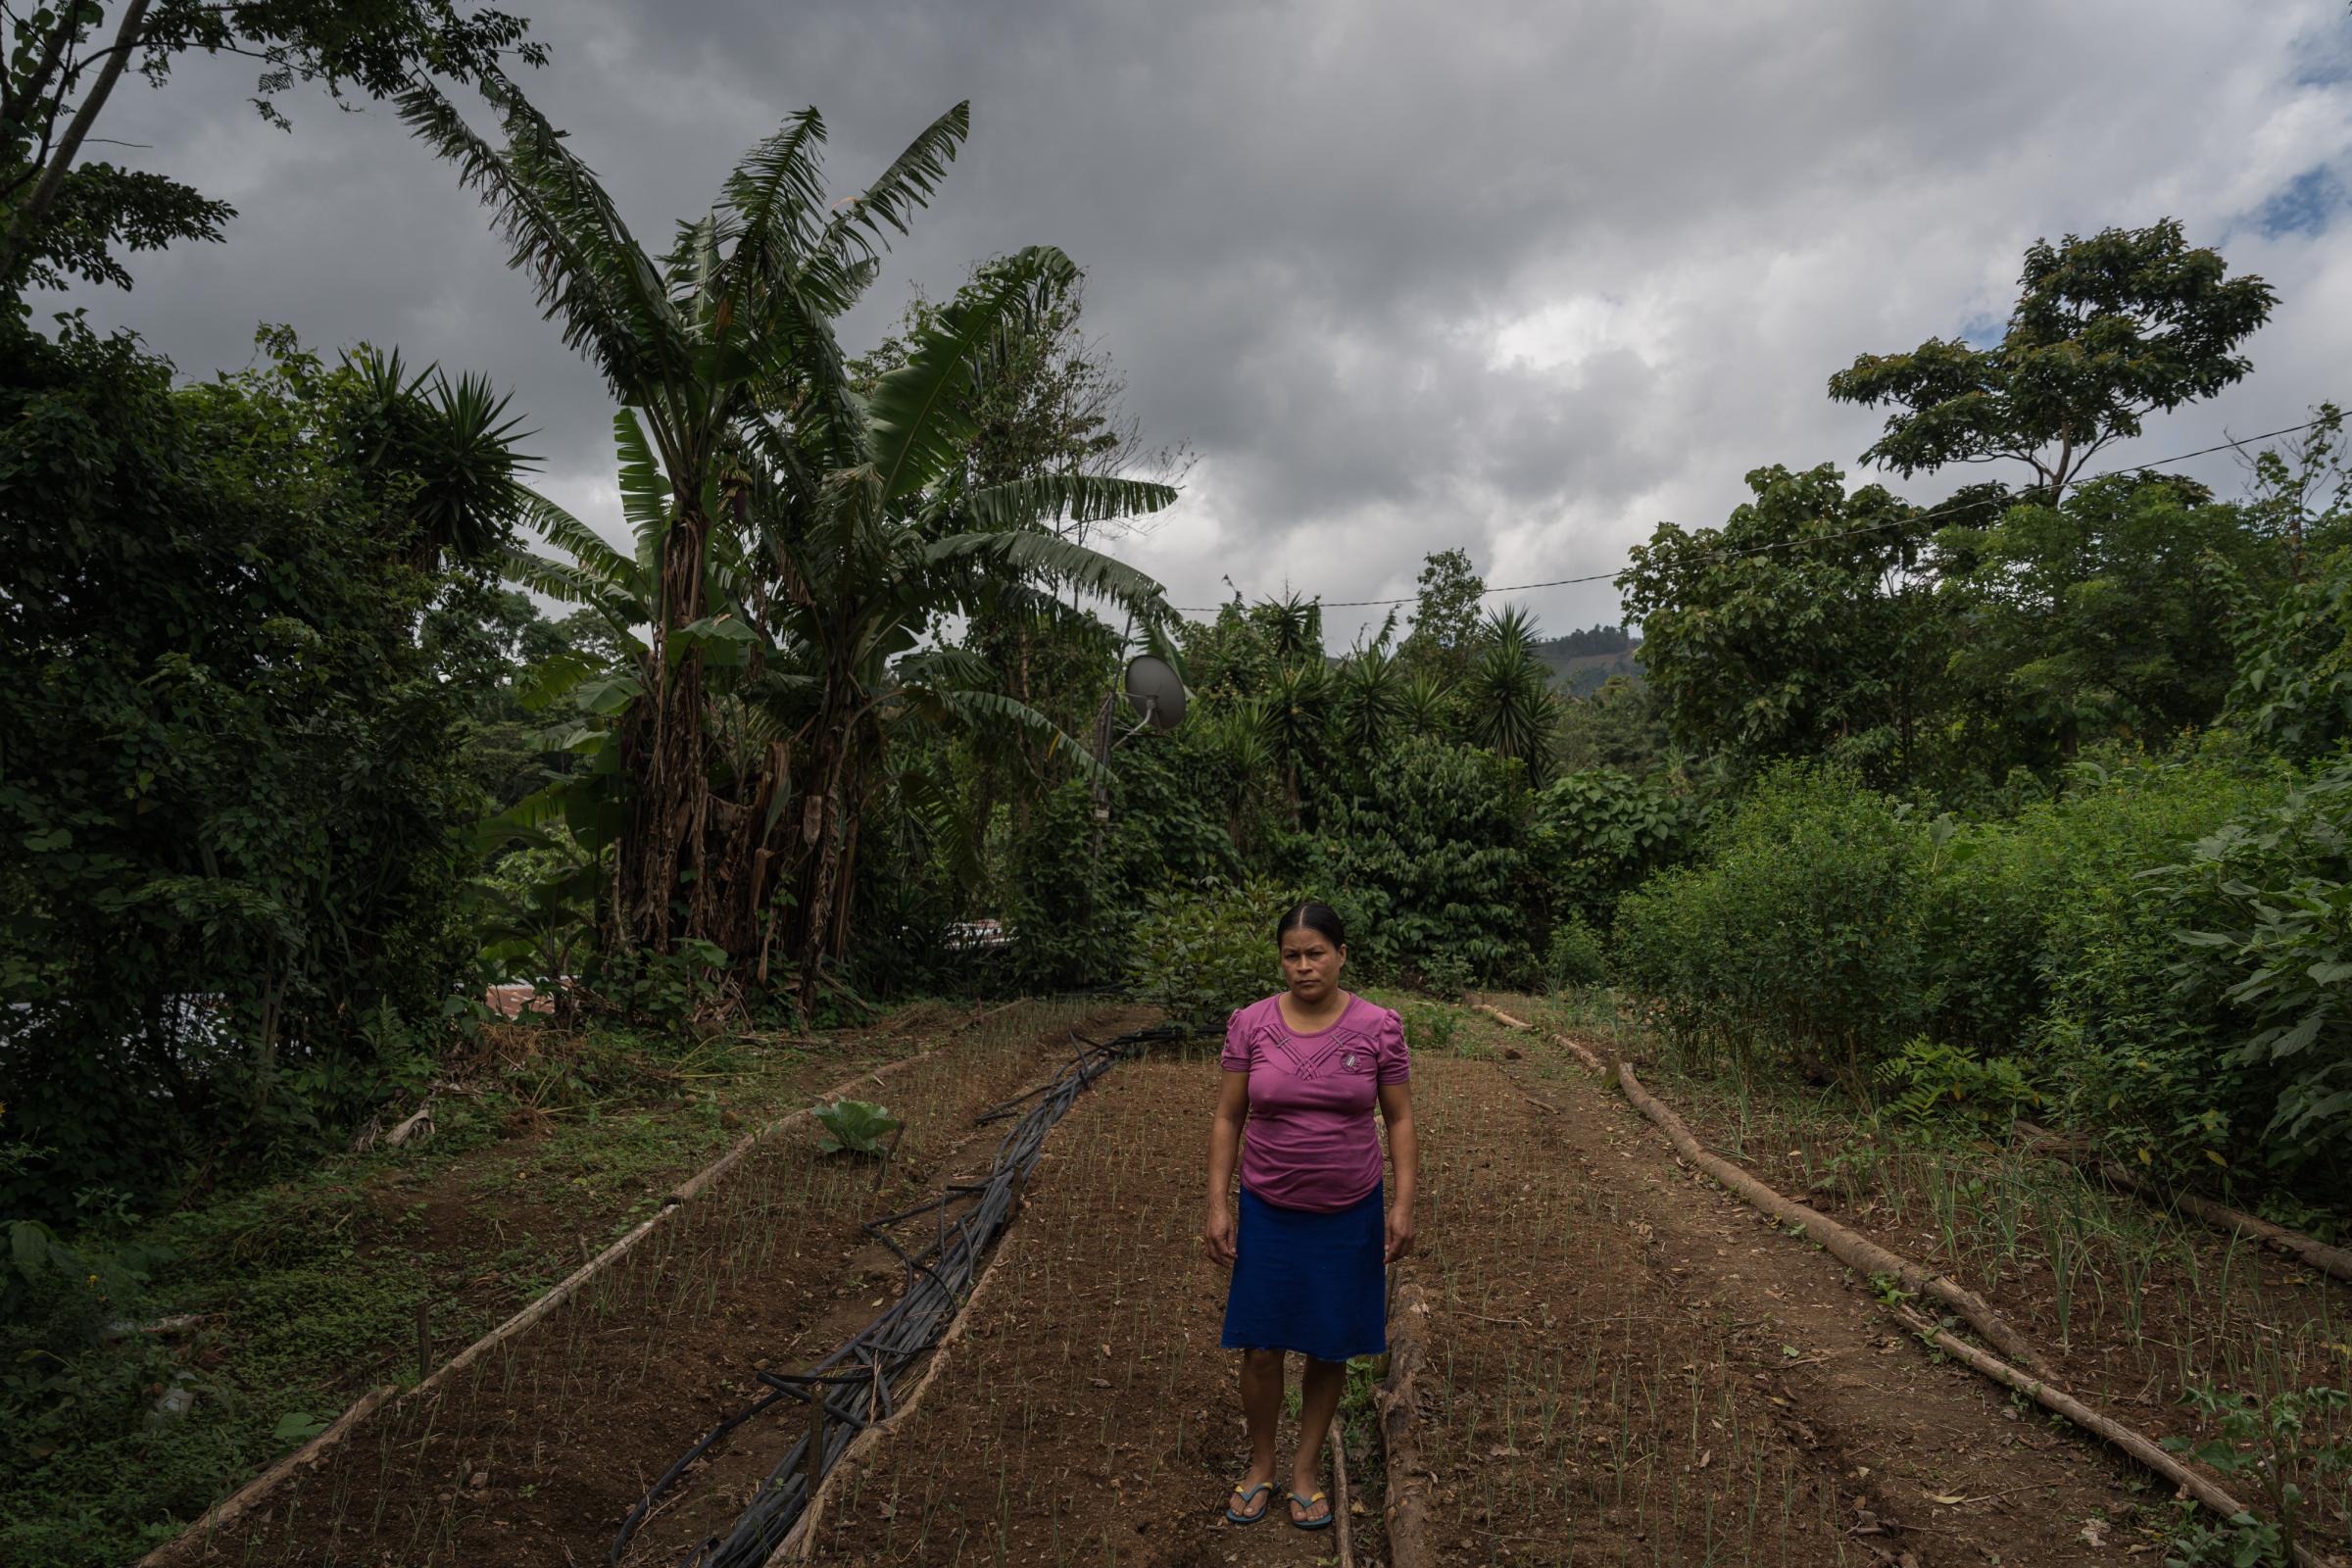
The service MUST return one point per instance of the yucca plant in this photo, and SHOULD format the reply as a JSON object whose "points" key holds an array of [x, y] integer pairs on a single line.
{"points": [[1511, 709], [1425, 705], [1371, 701]]}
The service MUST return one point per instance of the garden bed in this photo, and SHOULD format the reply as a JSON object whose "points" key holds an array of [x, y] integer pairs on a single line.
{"points": [[295, 1297], [2128, 1303], [535, 1453]]}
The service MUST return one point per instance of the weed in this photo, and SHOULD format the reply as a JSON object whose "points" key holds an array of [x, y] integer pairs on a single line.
{"points": [[2269, 1443]]}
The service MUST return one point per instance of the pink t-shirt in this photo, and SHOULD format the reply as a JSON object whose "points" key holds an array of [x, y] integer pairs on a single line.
{"points": [[1310, 1142]]}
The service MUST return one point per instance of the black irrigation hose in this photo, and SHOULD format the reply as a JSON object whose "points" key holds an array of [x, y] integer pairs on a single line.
{"points": [[854, 1385]]}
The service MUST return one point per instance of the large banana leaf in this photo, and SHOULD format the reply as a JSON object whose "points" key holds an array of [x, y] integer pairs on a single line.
{"points": [[594, 558], [571, 586], [995, 714], [592, 279], [771, 199], [1030, 552], [645, 499], [1074, 497], [945, 667], [919, 412], [840, 264]]}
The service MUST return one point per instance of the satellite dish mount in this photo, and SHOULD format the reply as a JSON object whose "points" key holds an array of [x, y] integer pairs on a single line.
{"points": [[1156, 692]]}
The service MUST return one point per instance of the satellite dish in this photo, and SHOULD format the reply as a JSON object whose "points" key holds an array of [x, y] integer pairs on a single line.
{"points": [[1157, 691]]}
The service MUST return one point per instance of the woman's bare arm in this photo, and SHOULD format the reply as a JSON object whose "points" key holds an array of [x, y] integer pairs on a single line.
{"points": [[1405, 1147], [1224, 1150]]}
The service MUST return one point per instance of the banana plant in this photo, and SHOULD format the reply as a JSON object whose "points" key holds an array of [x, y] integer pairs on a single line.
{"points": [[797, 536], [701, 343], [879, 542]]}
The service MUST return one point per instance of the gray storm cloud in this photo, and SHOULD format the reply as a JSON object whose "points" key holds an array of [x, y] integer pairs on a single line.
{"points": [[1519, 278]]}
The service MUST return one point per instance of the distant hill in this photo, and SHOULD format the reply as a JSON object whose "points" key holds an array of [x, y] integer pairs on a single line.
{"points": [[1582, 661]]}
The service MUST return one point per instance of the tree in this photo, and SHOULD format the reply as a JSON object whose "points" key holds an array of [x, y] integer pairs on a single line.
{"points": [[1445, 616], [60, 216], [2101, 617], [1618, 727], [1427, 858], [233, 792], [2106, 331], [1802, 627]]}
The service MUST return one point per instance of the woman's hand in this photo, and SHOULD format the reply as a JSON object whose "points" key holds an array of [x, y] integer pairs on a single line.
{"points": [[1217, 1235], [1400, 1231]]}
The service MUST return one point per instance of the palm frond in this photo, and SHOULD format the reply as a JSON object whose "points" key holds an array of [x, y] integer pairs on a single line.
{"points": [[919, 412]]}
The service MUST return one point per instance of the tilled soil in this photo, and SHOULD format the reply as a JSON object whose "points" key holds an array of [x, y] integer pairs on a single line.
{"points": [[1627, 1366], [1087, 1414], [1637, 1368], [536, 1454]]}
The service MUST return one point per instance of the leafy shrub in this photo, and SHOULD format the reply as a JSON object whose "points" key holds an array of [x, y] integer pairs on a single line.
{"points": [[1795, 933], [859, 1126], [1933, 1082], [1428, 862], [1202, 951], [2261, 912], [2273, 1445], [1575, 958], [2007, 906], [1598, 834]]}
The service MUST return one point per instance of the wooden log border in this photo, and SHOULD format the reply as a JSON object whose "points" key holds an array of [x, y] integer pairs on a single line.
{"points": [[1407, 1504], [1849, 1247]]}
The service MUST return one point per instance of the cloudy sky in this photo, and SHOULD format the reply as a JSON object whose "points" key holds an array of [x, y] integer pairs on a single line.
{"points": [[1518, 277]]}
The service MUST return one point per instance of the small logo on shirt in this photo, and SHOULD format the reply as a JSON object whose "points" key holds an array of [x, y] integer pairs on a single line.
{"points": [[1351, 1060]]}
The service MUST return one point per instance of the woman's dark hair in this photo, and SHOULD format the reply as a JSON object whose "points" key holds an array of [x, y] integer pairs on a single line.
{"points": [[1320, 919]]}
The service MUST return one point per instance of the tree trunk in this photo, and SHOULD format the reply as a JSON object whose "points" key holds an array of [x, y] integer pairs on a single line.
{"points": [[664, 821]]}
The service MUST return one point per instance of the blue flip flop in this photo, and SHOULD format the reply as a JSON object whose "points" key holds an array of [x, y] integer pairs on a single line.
{"points": [[1323, 1523], [1244, 1494]]}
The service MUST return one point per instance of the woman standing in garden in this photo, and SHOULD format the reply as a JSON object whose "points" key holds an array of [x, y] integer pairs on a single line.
{"points": [[1303, 1070]]}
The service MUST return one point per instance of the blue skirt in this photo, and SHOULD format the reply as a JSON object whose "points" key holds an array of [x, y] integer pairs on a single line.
{"points": [[1316, 1284]]}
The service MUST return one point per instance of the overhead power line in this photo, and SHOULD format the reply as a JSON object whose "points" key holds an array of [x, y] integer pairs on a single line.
{"points": [[1952, 510]]}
